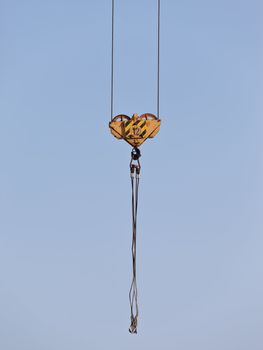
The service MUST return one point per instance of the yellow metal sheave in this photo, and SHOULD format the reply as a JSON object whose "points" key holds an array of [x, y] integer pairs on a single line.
{"points": [[135, 130]]}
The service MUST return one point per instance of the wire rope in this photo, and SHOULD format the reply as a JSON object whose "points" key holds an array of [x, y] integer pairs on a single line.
{"points": [[158, 56], [112, 57], [133, 294]]}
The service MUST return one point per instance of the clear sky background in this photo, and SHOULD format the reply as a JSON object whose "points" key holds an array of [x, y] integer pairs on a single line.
{"points": [[65, 201]]}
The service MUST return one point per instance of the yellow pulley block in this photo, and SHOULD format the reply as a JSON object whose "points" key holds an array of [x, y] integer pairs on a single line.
{"points": [[135, 130]]}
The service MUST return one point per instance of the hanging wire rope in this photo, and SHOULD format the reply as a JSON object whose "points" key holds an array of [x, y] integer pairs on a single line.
{"points": [[158, 57], [112, 57], [133, 294]]}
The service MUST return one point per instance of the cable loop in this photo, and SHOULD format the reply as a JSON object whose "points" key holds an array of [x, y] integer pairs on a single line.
{"points": [[133, 294]]}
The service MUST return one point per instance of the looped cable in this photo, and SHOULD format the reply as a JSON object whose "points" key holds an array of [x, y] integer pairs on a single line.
{"points": [[133, 326], [135, 172]]}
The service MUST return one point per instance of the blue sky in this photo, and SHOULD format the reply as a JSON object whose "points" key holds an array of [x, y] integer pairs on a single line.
{"points": [[65, 228]]}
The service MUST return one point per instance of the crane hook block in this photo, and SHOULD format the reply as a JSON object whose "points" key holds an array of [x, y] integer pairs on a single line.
{"points": [[135, 130]]}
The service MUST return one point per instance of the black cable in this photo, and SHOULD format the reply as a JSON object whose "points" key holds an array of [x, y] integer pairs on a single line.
{"points": [[133, 293], [112, 56], [158, 57]]}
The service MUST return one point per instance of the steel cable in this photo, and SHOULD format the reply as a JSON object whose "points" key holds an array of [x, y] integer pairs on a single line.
{"points": [[112, 57], [158, 57], [133, 294]]}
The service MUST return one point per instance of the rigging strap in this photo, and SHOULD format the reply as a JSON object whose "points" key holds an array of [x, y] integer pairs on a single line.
{"points": [[135, 173]]}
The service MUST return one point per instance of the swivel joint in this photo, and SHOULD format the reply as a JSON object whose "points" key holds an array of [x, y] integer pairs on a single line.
{"points": [[135, 167], [135, 153]]}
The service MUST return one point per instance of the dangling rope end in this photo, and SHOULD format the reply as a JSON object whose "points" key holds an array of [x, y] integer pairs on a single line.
{"points": [[133, 326]]}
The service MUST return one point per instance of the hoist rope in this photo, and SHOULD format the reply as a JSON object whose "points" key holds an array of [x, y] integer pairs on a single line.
{"points": [[112, 57], [158, 57]]}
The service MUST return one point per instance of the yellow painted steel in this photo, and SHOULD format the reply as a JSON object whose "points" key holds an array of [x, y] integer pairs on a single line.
{"points": [[135, 130]]}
